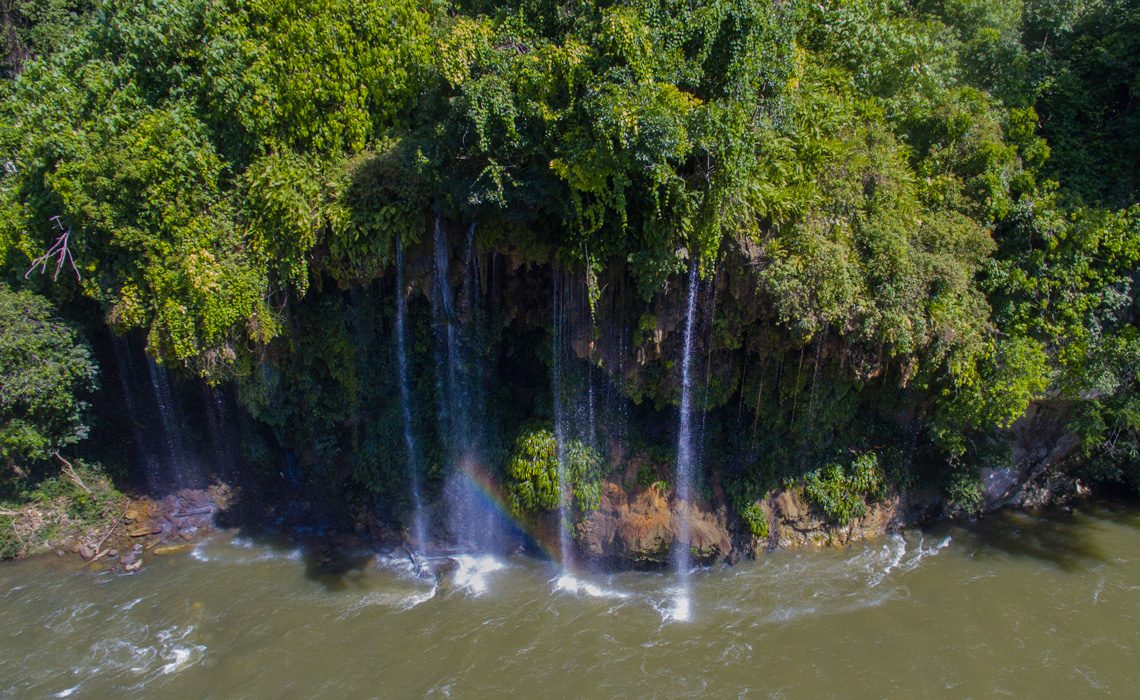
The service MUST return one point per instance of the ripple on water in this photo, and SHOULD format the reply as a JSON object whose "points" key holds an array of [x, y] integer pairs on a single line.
{"points": [[168, 651], [569, 583], [242, 550]]}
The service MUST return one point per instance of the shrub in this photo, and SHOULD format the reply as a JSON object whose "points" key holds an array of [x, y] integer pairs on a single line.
{"points": [[841, 494], [755, 520], [532, 474]]}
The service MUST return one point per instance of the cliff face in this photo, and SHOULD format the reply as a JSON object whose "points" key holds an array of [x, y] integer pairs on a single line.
{"points": [[640, 526], [1041, 448]]}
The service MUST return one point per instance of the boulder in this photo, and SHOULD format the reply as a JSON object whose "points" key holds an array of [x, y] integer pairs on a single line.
{"points": [[641, 527], [172, 549]]}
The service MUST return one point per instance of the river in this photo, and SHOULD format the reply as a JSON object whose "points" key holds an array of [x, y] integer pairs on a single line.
{"points": [[1027, 605]]}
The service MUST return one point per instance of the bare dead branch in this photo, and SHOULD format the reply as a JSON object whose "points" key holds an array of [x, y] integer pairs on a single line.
{"points": [[59, 252], [114, 527], [69, 471]]}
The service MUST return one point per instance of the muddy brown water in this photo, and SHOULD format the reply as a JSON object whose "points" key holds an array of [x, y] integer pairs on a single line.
{"points": [[1023, 605]]}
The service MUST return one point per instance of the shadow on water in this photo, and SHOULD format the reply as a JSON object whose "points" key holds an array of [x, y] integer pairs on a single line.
{"points": [[336, 567], [1062, 537], [293, 526]]}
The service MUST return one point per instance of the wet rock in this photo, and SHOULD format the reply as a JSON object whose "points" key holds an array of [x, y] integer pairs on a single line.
{"points": [[144, 529], [132, 560], [172, 549], [794, 523], [641, 527], [439, 567]]}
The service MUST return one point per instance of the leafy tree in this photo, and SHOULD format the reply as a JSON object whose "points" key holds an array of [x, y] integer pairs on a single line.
{"points": [[45, 372]]}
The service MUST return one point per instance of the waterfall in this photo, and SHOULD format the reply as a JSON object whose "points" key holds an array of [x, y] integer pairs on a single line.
{"points": [[684, 486], [147, 461], [473, 519], [153, 409], [557, 399], [419, 525], [171, 425], [218, 424]]}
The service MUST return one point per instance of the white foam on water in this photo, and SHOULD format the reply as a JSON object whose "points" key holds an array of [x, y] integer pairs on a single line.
{"points": [[142, 654], [894, 554], [179, 658], [66, 693], [258, 552], [568, 583], [471, 573], [681, 610], [392, 599], [118, 655], [127, 606], [921, 553], [199, 552]]}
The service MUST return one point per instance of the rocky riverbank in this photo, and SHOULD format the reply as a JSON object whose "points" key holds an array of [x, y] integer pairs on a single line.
{"points": [[132, 529]]}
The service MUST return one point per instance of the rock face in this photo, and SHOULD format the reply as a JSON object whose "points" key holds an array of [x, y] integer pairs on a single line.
{"points": [[1041, 445], [641, 526], [793, 523]]}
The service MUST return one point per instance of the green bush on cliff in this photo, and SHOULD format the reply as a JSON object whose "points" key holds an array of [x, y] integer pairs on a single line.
{"points": [[532, 474], [841, 493], [755, 520]]}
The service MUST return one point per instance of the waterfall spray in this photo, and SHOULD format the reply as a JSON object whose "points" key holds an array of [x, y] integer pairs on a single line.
{"points": [[684, 486], [419, 525]]}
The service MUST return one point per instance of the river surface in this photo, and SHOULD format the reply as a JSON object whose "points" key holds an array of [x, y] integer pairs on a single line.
{"points": [[1023, 605]]}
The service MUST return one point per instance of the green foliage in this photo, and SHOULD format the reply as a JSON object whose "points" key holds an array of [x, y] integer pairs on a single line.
{"points": [[646, 475], [532, 474], [45, 374], [841, 493], [755, 520], [30, 28], [1110, 436], [964, 490], [910, 209]]}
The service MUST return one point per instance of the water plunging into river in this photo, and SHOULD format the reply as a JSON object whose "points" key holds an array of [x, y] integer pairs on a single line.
{"points": [[682, 559], [419, 518], [473, 519], [557, 390]]}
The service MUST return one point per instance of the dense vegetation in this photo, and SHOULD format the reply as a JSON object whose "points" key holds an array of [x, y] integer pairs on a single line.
{"points": [[912, 219]]}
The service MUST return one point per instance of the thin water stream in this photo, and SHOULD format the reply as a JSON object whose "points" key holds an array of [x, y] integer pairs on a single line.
{"points": [[1031, 606], [682, 559]]}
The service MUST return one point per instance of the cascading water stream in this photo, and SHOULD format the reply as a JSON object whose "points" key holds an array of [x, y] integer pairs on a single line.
{"points": [[419, 522], [473, 521], [564, 544], [127, 381], [682, 560]]}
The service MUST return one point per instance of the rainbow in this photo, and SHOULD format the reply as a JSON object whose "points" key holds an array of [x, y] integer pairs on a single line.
{"points": [[493, 496]]}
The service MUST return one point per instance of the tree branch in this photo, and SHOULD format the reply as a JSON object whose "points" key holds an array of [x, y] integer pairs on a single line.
{"points": [[59, 251], [70, 472]]}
